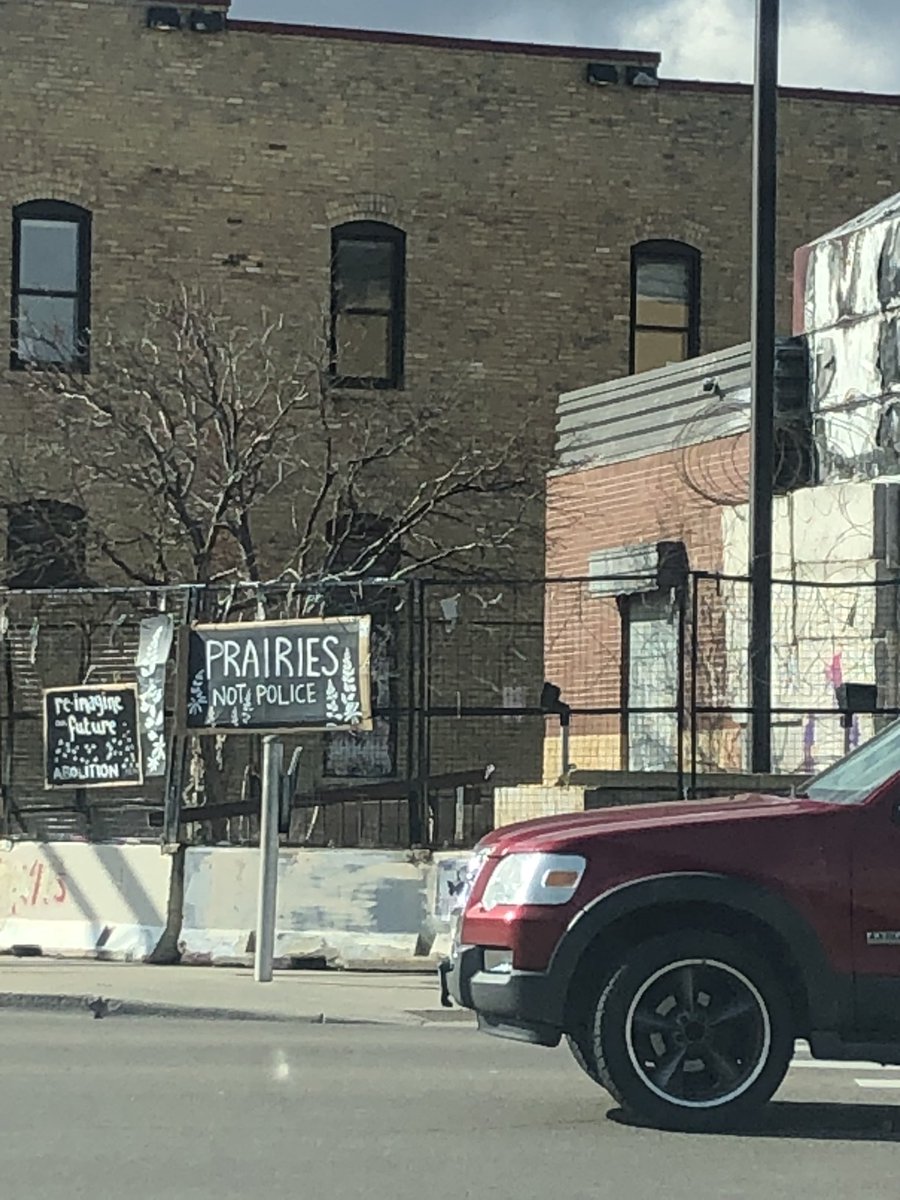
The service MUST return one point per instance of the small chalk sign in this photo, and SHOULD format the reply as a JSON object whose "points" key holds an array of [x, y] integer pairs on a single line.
{"points": [[278, 676], [91, 737]]}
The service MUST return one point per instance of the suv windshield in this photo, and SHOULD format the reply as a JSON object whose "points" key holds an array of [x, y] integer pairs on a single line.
{"points": [[857, 776]]}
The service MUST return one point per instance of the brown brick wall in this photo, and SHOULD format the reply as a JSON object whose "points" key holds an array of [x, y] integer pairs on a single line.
{"points": [[662, 497], [520, 187]]}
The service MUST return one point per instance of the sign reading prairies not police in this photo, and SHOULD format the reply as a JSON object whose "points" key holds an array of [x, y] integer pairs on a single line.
{"points": [[278, 676]]}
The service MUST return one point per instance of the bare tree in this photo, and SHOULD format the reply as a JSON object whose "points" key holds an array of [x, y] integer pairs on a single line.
{"points": [[207, 449]]}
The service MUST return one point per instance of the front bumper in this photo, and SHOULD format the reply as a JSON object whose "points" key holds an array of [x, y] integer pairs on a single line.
{"points": [[527, 1006]]}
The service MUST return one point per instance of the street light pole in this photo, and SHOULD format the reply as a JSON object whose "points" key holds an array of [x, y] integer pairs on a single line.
{"points": [[765, 195]]}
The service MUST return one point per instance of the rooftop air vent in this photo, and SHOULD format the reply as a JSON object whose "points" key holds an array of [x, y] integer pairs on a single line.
{"points": [[602, 74], [645, 77], [163, 18]]}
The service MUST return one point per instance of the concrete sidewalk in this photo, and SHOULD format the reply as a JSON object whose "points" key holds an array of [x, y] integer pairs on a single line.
{"points": [[224, 993]]}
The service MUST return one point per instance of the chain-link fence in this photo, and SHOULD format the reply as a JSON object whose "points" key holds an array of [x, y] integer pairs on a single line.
{"points": [[650, 679]]}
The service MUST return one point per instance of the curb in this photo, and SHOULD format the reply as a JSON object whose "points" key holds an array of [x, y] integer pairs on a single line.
{"points": [[109, 1006]]}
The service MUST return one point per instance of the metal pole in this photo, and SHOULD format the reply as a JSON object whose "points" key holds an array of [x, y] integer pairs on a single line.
{"points": [[272, 764], [681, 717], [565, 719], [765, 174], [695, 682]]}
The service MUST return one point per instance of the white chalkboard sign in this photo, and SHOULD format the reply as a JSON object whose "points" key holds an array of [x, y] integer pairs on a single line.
{"points": [[91, 737], [278, 676]]}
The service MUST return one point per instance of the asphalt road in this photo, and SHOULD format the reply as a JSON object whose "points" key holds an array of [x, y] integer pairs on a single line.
{"points": [[148, 1109]]}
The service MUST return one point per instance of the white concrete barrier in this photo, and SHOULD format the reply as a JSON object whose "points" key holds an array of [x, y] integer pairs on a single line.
{"points": [[82, 900], [349, 907]]}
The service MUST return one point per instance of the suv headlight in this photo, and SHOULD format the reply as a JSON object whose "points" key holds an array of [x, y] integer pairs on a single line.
{"points": [[534, 879]]}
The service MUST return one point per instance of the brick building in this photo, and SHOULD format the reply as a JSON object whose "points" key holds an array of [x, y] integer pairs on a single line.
{"points": [[523, 228], [653, 477], [648, 465], [519, 218]]}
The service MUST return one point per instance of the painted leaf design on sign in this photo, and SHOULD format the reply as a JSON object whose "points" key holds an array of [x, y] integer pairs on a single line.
{"points": [[352, 713], [197, 700]]}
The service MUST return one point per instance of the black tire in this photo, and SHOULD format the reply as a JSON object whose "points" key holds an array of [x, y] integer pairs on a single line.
{"points": [[693, 1033], [581, 1044]]}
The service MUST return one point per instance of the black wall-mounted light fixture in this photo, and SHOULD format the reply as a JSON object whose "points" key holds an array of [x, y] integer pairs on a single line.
{"points": [[642, 77], [855, 698], [163, 18], [602, 74], [204, 20]]}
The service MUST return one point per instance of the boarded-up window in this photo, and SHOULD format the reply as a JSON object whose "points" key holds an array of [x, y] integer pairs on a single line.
{"points": [[45, 545], [652, 641]]}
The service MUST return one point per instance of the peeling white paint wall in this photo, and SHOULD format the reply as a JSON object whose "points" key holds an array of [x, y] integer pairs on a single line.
{"points": [[851, 315]]}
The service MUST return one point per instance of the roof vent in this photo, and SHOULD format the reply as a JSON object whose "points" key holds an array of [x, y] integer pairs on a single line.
{"points": [[602, 74], [645, 77], [163, 18]]}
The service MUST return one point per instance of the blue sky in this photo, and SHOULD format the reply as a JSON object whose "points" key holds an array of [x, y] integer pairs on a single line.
{"points": [[826, 43]]}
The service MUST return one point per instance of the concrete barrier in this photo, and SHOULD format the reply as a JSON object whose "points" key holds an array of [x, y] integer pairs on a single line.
{"points": [[348, 907], [86, 901], [360, 908]]}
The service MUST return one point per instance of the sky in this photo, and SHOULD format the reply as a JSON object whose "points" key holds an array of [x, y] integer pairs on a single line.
{"points": [[825, 43]]}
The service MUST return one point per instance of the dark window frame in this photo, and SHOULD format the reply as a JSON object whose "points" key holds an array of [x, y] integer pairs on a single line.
{"points": [[66, 213], [64, 565], [665, 251], [373, 231]]}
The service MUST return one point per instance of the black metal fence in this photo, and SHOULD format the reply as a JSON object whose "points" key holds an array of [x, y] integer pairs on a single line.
{"points": [[656, 680]]}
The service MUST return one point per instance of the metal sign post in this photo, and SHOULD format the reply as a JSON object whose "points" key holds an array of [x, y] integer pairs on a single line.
{"points": [[272, 765], [269, 678]]}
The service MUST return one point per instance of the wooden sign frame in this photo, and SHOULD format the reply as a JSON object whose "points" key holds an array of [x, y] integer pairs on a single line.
{"points": [[89, 785], [366, 725]]}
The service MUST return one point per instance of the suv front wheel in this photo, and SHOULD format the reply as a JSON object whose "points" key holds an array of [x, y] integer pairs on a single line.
{"points": [[693, 1032]]}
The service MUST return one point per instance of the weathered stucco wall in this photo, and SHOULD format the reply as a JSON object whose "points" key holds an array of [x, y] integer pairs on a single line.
{"points": [[824, 634]]}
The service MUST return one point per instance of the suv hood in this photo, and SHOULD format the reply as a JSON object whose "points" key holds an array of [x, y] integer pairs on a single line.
{"points": [[545, 832]]}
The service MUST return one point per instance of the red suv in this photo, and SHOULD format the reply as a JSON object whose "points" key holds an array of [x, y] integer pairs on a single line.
{"points": [[682, 948]]}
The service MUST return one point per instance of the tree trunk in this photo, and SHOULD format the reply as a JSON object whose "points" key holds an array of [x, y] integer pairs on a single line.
{"points": [[168, 949]]}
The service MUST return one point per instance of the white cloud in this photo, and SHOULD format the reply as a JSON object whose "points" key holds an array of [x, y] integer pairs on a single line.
{"points": [[825, 43], [715, 40]]}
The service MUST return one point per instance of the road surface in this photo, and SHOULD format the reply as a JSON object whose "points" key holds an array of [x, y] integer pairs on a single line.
{"points": [[151, 1109]]}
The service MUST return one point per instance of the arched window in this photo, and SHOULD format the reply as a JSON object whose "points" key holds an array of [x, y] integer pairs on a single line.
{"points": [[368, 286], [51, 292], [665, 304]]}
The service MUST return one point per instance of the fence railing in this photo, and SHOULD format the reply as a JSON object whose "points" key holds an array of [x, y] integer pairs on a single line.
{"points": [[655, 680]]}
